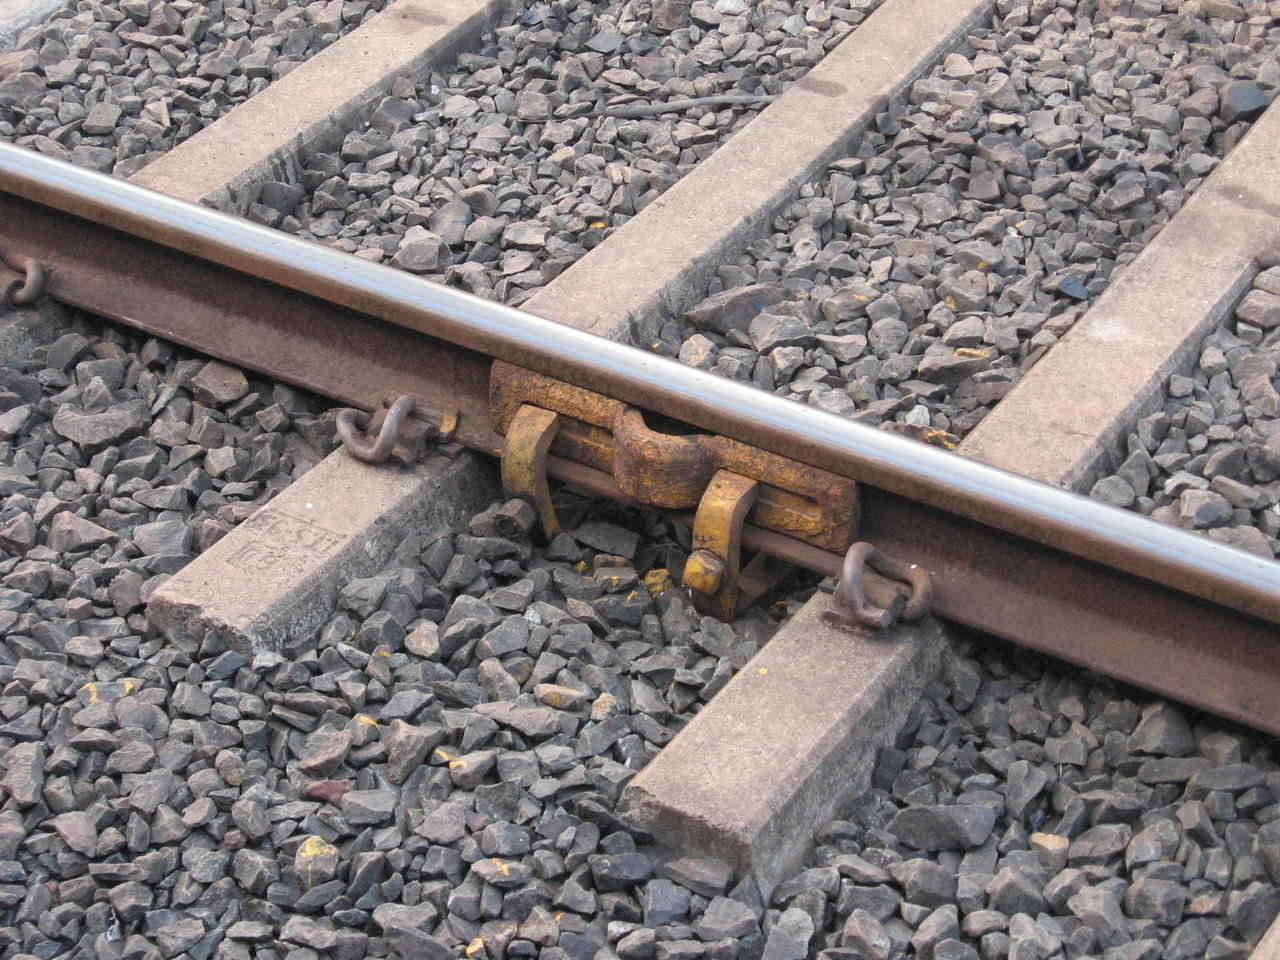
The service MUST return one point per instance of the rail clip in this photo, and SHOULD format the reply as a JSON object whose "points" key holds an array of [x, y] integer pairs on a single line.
{"points": [[392, 429], [850, 607], [29, 287]]}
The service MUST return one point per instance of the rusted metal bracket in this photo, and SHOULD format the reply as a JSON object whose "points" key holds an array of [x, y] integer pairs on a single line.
{"points": [[849, 605], [670, 466], [393, 430], [524, 461], [720, 585], [673, 469]]}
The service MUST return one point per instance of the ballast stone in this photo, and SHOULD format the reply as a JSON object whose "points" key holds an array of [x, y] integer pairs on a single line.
{"points": [[97, 431], [725, 917], [69, 533], [957, 827]]}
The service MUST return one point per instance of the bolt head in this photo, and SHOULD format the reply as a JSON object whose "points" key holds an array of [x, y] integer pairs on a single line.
{"points": [[704, 572]]}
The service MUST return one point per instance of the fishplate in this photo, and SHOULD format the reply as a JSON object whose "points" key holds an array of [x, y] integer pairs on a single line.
{"points": [[670, 467]]}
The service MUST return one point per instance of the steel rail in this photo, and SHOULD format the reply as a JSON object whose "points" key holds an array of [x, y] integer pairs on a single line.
{"points": [[927, 504]]}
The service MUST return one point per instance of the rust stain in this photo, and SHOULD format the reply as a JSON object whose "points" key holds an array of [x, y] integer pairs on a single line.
{"points": [[824, 88], [418, 15], [1250, 200]]}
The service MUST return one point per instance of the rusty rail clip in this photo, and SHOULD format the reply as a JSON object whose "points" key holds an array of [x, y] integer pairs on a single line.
{"points": [[524, 461], [720, 585], [849, 604], [30, 287], [373, 438]]}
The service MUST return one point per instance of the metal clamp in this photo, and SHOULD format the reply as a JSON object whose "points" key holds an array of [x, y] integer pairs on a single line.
{"points": [[352, 424], [667, 464], [849, 604], [720, 585], [524, 461], [393, 430], [30, 287]]}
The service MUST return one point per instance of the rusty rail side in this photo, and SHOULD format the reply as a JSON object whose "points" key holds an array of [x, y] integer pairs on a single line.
{"points": [[1024, 561]]}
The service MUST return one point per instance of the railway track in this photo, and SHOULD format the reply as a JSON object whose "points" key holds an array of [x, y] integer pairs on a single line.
{"points": [[641, 234]]}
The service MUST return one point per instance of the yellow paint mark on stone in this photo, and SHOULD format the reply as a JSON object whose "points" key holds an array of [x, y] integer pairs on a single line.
{"points": [[940, 438], [475, 946], [972, 352], [367, 720], [129, 685], [597, 224], [93, 692], [316, 857], [1048, 841], [605, 706], [457, 764], [658, 581], [315, 846], [762, 671]]}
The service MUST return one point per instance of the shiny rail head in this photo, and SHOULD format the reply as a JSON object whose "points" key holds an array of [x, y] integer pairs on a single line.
{"points": [[1058, 519]]}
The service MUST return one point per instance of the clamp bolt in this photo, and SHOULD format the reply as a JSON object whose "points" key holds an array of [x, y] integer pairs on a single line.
{"points": [[704, 572]]}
